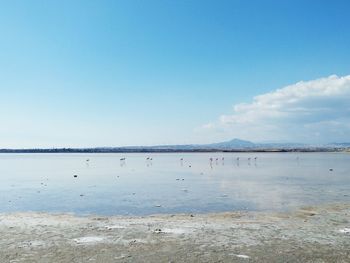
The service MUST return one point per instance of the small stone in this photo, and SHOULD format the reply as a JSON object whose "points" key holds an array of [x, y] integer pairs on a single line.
{"points": [[157, 230]]}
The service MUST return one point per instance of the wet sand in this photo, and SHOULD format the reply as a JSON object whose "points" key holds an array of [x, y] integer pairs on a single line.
{"points": [[310, 234]]}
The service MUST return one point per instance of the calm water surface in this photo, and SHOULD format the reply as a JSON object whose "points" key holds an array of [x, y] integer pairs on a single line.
{"points": [[136, 186]]}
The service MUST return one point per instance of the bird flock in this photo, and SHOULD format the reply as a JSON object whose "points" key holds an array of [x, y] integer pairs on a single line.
{"points": [[212, 160]]}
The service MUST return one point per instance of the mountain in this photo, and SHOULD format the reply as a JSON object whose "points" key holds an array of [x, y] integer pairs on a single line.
{"points": [[232, 144], [228, 145]]}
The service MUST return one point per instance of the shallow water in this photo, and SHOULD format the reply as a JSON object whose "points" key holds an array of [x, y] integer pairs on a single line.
{"points": [[105, 185]]}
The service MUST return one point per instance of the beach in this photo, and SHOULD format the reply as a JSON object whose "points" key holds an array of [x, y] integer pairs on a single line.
{"points": [[174, 131], [308, 234]]}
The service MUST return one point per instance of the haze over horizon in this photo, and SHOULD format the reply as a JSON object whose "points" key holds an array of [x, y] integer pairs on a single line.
{"points": [[121, 73]]}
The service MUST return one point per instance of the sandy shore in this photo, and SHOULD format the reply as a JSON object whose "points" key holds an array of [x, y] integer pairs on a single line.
{"points": [[312, 234]]}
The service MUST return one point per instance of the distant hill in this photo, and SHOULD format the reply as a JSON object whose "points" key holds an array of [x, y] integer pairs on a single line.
{"points": [[232, 144]]}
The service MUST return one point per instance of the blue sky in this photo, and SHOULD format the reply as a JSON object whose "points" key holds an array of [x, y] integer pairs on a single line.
{"points": [[110, 73]]}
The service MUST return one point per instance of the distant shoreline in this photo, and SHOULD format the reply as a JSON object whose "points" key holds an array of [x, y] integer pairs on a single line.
{"points": [[147, 150], [234, 145]]}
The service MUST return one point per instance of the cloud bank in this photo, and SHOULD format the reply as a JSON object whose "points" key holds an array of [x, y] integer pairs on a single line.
{"points": [[316, 111]]}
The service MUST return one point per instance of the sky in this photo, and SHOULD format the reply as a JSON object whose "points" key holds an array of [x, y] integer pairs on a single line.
{"points": [[117, 73]]}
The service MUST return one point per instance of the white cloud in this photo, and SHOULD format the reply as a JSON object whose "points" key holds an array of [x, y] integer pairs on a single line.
{"points": [[312, 111]]}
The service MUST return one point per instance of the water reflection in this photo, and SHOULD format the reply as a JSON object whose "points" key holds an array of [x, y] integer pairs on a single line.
{"points": [[169, 183]]}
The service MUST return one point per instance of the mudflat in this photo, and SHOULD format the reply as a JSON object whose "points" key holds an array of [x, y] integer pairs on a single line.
{"points": [[309, 234]]}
